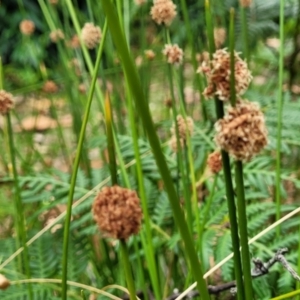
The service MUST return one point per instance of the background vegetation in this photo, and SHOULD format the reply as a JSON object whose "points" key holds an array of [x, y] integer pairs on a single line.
{"points": [[47, 134]]}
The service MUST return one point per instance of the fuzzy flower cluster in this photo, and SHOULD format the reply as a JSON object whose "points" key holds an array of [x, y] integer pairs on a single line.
{"points": [[219, 37], [185, 127], [91, 35], [27, 27], [242, 131], [214, 162], [163, 11], [6, 102], [218, 75], [173, 53], [56, 35], [50, 87], [117, 212]]}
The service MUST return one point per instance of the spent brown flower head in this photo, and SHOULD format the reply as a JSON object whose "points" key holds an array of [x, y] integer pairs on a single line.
{"points": [[245, 3], [218, 75], [4, 282], [50, 87], [173, 54], [27, 27], [214, 162], [140, 2], [185, 127], [117, 212], [6, 102], [163, 11], [91, 35], [74, 42], [219, 37], [242, 132], [202, 57], [150, 55], [56, 35]]}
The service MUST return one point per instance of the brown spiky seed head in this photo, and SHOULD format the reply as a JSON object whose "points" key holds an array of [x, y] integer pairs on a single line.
{"points": [[140, 2], [150, 54], [185, 126], [4, 282], [245, 3], [163, 11], [219, 37], [214, 162], [6, 102], [27, 27], [56, 35], [173, 54], [117, 212], [242, 132], [50, 87], [91, 35], [218, 75]]}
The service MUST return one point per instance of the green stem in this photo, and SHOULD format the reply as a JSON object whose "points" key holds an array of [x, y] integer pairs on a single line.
{"points": [[279, 117], [232, 59], [245, 33], [227, 174], [127, 268], [143, 109], [242, 217], [75, 168]]}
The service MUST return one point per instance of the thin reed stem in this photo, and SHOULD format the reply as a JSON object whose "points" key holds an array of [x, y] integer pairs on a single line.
{"points": [[76, 166], [279, 116], [143, 109]]}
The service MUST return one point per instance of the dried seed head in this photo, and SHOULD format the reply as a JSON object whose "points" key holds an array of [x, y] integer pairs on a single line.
{"points": [[91, 35], [173, 54], [242, 132], [201, 57], [185, 126], [82, 88], [245, 3], [6, 102], [74, 42], [214, 162], [150, 55], [163, 11], [56, 35], [218, 75], [117, 212], [173, 143], [140, 2], [27, 27], [4, 282], [50, 87], [219, 36]]}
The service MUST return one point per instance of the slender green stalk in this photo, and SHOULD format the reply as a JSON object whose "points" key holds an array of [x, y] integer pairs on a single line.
{"points": [[279, 116], [75, 168], [143, 109], [149, 251], [227, 174], [232, 59], [242, 218], [127, 268], [245, 33], [289, 295], [110, 141]]}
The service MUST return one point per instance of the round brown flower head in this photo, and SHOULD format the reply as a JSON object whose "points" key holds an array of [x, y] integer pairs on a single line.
{"points": [[214, 162], [242, 132], [140, 2], [91, 35], [245, 3], [74, 42], [50, 87], [27, 27], [219, 36], [6, 102], [56, 35], [185, 126], [117, 212], [173, 53], [4, 282], [218, 75], [150, 55], [163, 11], [201, 57]]}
